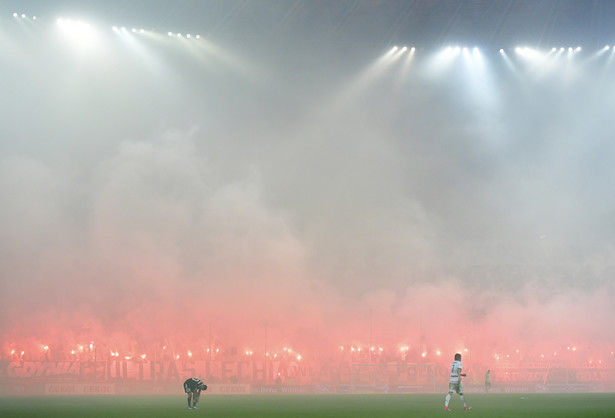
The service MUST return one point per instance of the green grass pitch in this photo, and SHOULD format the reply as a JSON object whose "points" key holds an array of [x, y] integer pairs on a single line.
{"points": [[296, 406]]}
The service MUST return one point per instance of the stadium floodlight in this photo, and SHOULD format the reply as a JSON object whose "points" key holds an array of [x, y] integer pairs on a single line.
{"points": [[477, 55], [15, 15], [442, 60], [390, 53], [33, 17], [170, 33], [23, 16], [133, 30], [466, 54], [578, 48], [526, 52], [198, 36], [78, 32]]}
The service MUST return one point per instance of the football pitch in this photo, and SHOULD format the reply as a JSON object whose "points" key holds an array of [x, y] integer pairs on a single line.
{"points": [[295, 406]]}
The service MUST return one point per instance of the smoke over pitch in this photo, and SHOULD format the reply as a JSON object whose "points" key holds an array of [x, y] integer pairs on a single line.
{"points": [[165, 197]]}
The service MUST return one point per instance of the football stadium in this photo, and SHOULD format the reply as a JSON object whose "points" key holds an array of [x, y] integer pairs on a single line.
{"points": [[311, 208]]}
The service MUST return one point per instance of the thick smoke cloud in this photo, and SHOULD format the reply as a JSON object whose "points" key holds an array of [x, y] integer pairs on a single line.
{"points": [[157, 194]]}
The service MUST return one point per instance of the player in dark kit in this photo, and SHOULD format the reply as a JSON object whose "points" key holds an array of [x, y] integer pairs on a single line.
{"points": [[193, 388]]}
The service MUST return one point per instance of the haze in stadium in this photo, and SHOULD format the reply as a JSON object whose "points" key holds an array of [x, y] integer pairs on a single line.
{"points": [[174, 180]]}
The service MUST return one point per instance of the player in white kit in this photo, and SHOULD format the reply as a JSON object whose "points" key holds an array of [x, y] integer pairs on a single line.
{"points": [[455, 384]]}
